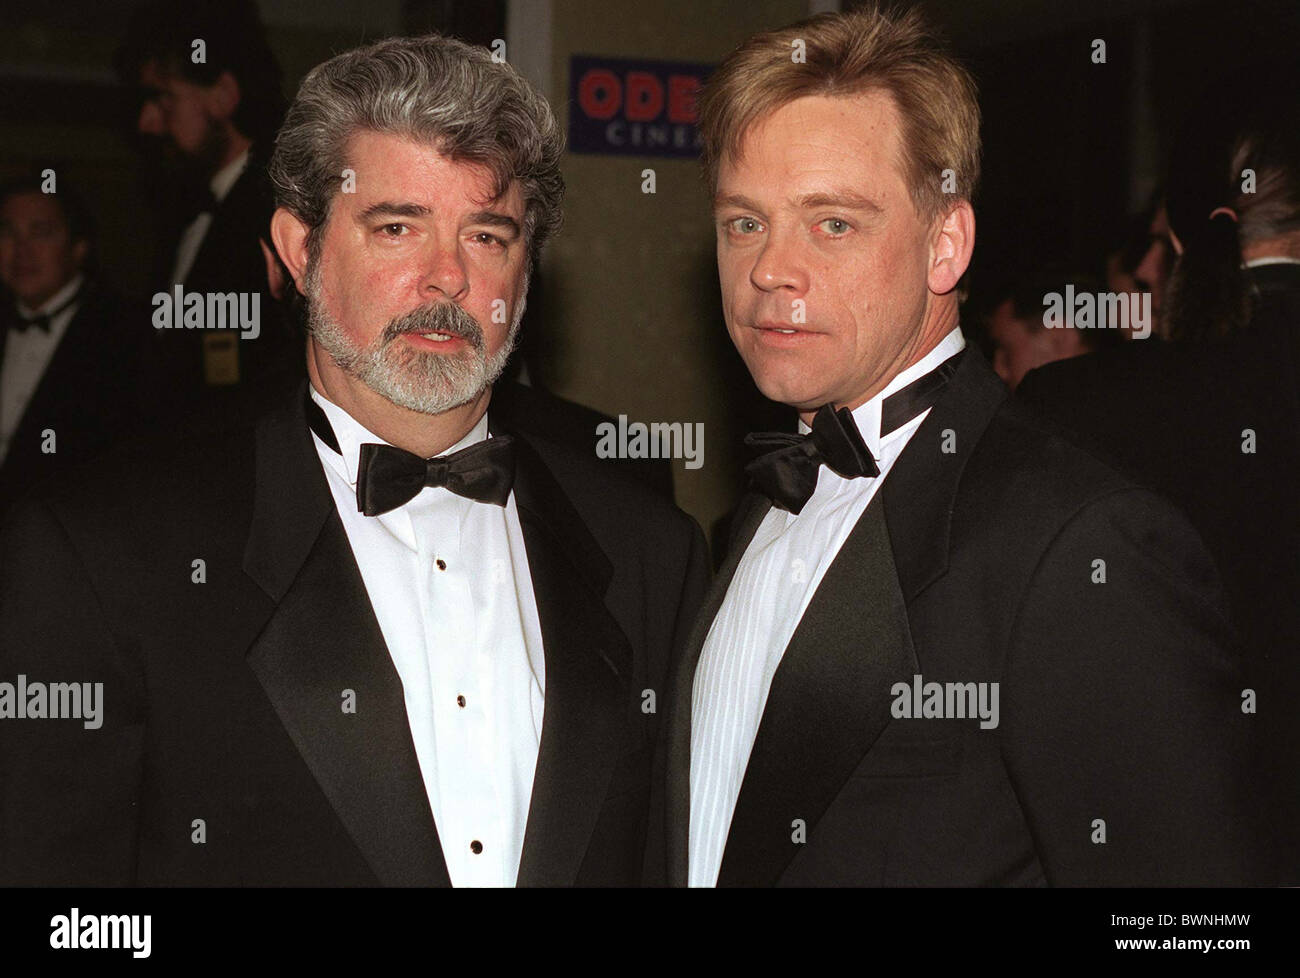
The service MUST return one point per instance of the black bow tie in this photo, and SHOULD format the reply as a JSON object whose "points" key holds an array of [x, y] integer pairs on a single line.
{"points": [[389, 477], [42, 320], [787, 472], [20, 325]]}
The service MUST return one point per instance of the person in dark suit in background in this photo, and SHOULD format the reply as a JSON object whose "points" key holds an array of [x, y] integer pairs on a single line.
{"points": [[1212, 419], [947, 647], [208, 100], [384, 635], [1022, 341], [73, 352]]}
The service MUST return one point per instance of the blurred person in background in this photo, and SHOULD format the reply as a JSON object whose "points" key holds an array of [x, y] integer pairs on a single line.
{"points": [[71, 354], [207, 100], [1212, 419], [1153, 269], [1022, 341]]}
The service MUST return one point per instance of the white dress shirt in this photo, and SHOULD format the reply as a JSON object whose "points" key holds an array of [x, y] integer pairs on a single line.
{"points": [[27, 356], [449, 583], [774, 582], [192, 237]]}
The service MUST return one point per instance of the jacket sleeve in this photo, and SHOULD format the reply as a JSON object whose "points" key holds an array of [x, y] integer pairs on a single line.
{"points": [[1126, 730], [68, 787]]}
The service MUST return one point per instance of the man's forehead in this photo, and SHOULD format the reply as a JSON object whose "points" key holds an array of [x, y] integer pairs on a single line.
{"points": [[871, 114], [30, 206], [158, 75], [813, 138], [386, 164]]}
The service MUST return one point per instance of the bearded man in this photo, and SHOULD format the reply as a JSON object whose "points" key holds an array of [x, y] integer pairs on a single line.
{"points": [[380, 636]]}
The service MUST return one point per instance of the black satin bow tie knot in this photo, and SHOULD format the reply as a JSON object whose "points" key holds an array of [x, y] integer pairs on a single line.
{"points": [[787, 472], [389, 477], [21, 325]]}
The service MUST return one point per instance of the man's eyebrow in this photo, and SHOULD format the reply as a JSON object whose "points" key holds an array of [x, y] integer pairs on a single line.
{"points": [[495, 219], [390, 208], [735, 200], [847, 199]]}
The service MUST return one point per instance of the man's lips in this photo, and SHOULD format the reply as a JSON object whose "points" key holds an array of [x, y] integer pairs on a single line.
{"points": [[782, 334], [435, 340]]}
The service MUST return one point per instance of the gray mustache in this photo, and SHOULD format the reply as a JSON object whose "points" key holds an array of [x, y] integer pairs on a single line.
{"points": [[442, 317]]}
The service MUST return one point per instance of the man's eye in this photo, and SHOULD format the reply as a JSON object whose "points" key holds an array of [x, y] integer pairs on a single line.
{"points": [[483, 237], [744, 225], [835, 226], [393, 230]]}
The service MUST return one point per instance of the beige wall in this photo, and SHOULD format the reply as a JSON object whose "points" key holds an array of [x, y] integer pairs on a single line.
{"points": [[630, 293]]}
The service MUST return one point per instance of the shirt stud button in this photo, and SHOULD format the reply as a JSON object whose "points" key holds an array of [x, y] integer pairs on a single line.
{"points": [[476, 847], [460, 700], [442, 564]]}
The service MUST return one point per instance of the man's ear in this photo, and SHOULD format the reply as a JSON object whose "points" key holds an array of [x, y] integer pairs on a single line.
{"points": [[223, 96], [289, 236], [275, 276], [951, 247]]}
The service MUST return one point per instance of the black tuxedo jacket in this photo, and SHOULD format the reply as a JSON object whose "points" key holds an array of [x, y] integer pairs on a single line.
{"points": [[223, 699], [1119, 704], [90, 394], [1176, 417]]}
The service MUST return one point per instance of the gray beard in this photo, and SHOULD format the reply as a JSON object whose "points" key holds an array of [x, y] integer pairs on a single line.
{"points": [[424, 381]]}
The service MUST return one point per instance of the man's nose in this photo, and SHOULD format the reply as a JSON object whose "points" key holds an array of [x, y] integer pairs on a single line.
{"points": [[150, 121], [1148, 269], [780, 265], [444, 270]]}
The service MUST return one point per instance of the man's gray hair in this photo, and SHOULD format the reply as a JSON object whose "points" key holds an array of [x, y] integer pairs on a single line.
{"points": [[433, 89]]}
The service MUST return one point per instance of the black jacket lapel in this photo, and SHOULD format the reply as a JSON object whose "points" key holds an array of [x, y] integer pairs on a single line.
{"points": [[920, 489], [588, 671], [322, 639], [828, 703]]}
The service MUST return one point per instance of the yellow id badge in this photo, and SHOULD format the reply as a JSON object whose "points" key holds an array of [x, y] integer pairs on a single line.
{"points": [[221, 358]]}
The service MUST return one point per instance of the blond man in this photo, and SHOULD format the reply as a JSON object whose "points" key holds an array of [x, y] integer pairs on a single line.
{"points": [[946, 647]]}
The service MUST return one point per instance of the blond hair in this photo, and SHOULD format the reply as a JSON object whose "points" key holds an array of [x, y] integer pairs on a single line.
{"points": [[850, 54]]}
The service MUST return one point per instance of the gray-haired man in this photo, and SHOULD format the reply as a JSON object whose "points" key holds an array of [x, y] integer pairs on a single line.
{"points": [[384, 635]]}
